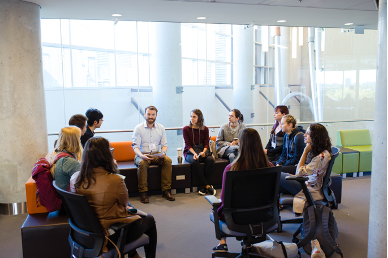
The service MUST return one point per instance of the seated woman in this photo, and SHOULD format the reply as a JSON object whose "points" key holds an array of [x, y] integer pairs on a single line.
{"points": [[275, 144], [196, 137], [251, 156], [227, 138], [64, 168], [108, 195], [293, 144], [313, 164]]}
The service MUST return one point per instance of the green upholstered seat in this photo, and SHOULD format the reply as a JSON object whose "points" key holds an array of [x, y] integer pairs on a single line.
{"points": [[360, 141], [337, 166]]}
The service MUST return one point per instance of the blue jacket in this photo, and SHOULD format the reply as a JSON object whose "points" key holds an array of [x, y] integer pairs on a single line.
{"points": [[293, 147]]}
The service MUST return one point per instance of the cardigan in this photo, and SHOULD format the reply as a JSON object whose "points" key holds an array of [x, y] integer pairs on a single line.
{"points": [[194, 137]]}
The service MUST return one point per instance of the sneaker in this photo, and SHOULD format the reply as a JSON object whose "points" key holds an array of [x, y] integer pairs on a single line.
{"points": [[220, 248], [211, 190], [202, 191]]}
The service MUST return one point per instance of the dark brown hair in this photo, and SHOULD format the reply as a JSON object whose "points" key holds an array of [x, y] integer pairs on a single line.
{"points": [[284, 110], [151, 108], [251, 152], [200, 118], [78, 120], [320, 140], [237, 114], [96, 154]]}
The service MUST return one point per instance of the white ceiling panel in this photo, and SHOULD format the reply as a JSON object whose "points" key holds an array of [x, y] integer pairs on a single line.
{"points": [[339, 4], [368, 6], [216, 12]]}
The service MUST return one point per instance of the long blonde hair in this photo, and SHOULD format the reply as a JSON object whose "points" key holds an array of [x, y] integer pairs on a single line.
{"points": [[69, 140]]}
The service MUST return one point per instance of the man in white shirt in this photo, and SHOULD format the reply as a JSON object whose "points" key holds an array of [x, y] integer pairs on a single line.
{"points": [[147, 137]]}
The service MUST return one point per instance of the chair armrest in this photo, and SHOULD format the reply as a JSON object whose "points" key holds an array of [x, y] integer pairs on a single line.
{"points": [[297, 178], [118, 226], [216, 203]]}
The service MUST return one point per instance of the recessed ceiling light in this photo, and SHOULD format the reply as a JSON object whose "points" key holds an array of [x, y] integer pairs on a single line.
{"points": [[349, 23], [281, 20], [201, 18], [116, 15]]}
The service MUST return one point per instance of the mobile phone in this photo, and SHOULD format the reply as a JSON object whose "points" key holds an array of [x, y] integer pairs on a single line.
{"points": [[235, 139], [132, 210], [112, 149]]}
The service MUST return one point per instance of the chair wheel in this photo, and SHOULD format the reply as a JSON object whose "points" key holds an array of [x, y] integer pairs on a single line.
{"points": [[295, 240]]}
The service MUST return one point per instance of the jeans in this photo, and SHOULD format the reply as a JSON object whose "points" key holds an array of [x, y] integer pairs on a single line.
{"points": [[142, 167], [148, 227], [288, 186], [230, 154], [204, 176]]}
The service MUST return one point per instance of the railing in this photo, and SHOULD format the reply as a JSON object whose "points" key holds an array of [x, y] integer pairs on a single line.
{"points": [[326, 123]]}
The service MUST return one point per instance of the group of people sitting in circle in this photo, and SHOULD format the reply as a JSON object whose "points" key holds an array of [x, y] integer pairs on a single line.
{"points": [[92, 171]]}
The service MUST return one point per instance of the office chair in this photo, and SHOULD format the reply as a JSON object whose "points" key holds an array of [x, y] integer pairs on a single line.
{"points": [[86, 235], [250, 208], [329, 198]]}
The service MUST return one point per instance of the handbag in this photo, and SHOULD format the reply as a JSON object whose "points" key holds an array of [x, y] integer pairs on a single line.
{"points": [[273, 248], [199, 148]]}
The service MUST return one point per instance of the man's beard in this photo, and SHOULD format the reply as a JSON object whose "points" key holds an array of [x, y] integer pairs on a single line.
{"points": [[150, 121]]}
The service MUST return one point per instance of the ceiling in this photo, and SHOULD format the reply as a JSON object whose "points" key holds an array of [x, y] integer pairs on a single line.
{"points": [[307, 13]]}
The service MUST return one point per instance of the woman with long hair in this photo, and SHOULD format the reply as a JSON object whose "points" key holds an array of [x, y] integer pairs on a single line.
{"points": [[227, 138], [107, 194], [313, 164], [196, 137], [293, 144], [275, 144], [63, 168], [251, 156]]}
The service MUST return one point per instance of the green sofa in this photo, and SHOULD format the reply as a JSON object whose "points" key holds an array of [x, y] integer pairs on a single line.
{"points": [[356, 148]]}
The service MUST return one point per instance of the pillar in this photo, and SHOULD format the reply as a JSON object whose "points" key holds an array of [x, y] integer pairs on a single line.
{"points": [[23, 127], [377, 235], [166, 79], [243, 71]]}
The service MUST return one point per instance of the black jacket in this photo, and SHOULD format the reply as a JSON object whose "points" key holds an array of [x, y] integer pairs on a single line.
{"points": [[273, 154], [293, 147], [88, 134]]}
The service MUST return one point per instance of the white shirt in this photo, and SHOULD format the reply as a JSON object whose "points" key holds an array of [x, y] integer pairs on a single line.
{"points": [[147, 139]]}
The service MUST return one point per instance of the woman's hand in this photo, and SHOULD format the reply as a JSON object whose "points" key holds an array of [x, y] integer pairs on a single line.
{"points": [[202, 154], [195, 156], [307, 149], [265, 151]]}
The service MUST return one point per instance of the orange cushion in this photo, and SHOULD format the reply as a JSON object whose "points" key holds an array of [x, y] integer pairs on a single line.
{"points": [[213, 138], [123, 151], [33, 205]]}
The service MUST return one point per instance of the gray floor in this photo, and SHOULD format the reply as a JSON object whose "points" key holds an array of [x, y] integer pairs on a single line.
{"points": [[185, 231]]}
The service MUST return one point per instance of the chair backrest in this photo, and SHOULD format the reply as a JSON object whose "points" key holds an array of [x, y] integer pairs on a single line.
{"points": [[354, 137], [85, 229], [123, 151], [327, 192], [250, 197]]}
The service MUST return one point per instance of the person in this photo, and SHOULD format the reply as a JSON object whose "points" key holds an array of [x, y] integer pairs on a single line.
{"points": [[147, 137], [313, 164], [79, 121], [275, 144], [251, 156], [107, 194], [196, 137], [293, 144], [227, 138], [64, 168], [95, 119]]}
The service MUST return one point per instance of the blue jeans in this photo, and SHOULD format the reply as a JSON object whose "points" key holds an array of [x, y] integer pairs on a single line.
{"points": [[289, 186]]}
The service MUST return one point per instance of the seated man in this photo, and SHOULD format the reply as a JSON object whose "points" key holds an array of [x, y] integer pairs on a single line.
{"points": [[94, 121], [79, 121], [147, 137]]}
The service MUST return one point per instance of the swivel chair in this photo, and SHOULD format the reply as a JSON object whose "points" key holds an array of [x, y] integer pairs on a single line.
{"points": [[287, 199], [86, 235], [250, 208]]}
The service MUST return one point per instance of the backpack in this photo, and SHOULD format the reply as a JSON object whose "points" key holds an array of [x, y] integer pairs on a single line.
{"points": [[319, 223], [213, 149], [46, 194]]}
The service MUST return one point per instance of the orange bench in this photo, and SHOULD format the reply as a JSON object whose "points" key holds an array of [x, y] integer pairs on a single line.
{"points": [[33, 204], [123, 151]]}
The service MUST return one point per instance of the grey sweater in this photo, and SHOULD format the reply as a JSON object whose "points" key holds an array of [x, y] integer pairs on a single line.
{"points": [[226, 135]]}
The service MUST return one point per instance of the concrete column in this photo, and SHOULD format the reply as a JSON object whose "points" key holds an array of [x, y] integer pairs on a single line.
{"points": [[243, 71], [377, 236], [166, 79], [285, 63], [23, 127]]}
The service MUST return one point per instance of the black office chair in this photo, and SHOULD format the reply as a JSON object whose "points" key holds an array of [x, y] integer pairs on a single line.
{"points": [[250, 208], [330, 201], [86, 235], [329, 198]]}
